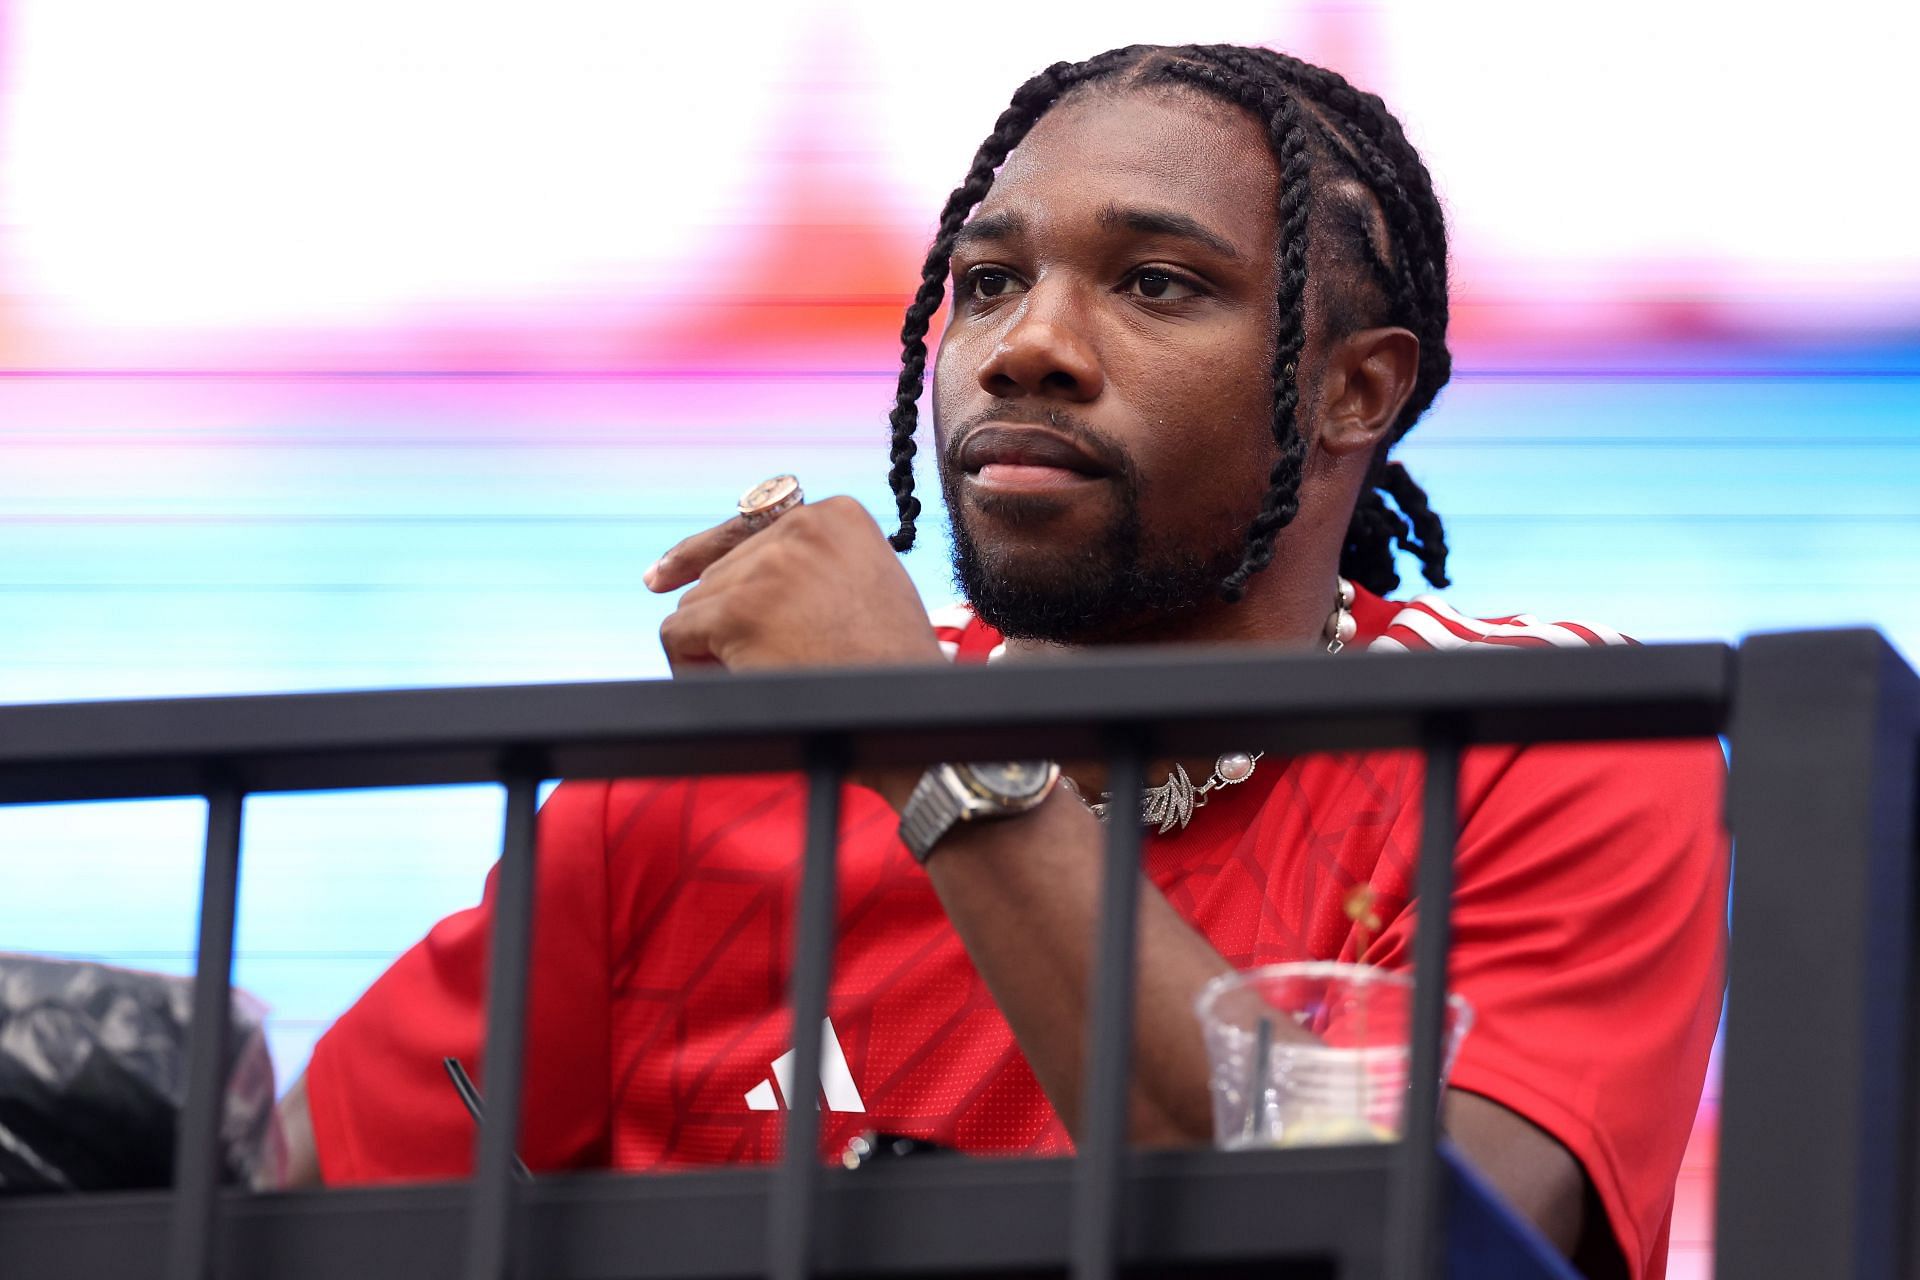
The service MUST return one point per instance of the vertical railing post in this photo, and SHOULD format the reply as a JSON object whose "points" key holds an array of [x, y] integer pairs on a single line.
{"points": [[197, 1158], [1100, 1172], [1820, 1063], [491, 1214], [790, 1231], [1416, 1232]]}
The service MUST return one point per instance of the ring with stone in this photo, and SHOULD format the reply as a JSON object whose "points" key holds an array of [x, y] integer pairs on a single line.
{"points": [[767, 501]]}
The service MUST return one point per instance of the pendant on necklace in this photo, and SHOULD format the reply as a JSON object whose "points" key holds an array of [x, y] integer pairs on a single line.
{"points": [[1171, 805]]}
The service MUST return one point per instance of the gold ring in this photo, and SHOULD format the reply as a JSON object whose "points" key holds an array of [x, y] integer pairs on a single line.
{"points": [[767, 501]]}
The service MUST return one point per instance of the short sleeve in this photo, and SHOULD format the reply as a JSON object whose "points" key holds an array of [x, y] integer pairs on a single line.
{"points": [[1589, 936], [383, 1106]]}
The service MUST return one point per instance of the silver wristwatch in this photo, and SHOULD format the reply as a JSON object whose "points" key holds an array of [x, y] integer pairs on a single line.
{"points": [[953, 793]]}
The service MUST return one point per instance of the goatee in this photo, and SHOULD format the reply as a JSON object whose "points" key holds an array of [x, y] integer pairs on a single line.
{"points": [[1115, 583]]}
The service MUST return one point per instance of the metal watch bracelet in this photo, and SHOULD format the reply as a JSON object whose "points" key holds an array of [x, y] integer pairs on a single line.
{"points": [[930, 812], [949, 794]]}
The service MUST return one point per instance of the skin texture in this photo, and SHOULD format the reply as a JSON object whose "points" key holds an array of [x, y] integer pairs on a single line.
{"points": [[1078, 318]]}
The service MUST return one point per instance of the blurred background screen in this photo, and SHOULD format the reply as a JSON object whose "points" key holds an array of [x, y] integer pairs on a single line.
{"points": [[385, 342]]}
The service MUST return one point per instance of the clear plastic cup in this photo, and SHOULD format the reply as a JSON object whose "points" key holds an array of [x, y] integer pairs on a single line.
{"points": [[1345, 1080]]}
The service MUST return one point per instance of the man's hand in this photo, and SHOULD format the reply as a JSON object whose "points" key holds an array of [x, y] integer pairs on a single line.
{"points": [[819, 586], [290, 1159]]}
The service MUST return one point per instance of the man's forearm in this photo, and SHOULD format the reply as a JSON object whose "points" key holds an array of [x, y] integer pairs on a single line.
{"points": [[291, 1159], [1024, 896]]}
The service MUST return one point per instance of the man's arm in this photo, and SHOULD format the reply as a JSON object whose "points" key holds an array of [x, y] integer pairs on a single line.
{"points": [[291, 1159], [1023, 895], [1539, 1178], [375, 1102]]}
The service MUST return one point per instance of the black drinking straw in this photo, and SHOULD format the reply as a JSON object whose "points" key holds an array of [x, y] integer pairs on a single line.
{"points": [[1257, 1079], [464, 1086]]}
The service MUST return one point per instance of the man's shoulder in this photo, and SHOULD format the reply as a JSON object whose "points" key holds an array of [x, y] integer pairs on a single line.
{"points": [[962, 636], [1427, 623]]}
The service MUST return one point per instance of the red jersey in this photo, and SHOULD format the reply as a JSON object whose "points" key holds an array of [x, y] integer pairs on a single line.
{"points": [[1589, 920]]}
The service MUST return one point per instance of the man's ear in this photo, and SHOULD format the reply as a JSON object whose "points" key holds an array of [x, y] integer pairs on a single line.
{"points": [[1369, 376]]}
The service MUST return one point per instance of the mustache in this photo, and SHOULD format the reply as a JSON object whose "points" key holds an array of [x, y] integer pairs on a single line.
{"points": [[1103, 450]]}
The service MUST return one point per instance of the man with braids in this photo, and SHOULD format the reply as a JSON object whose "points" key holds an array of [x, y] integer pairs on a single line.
{"points": [[1198, 294]]}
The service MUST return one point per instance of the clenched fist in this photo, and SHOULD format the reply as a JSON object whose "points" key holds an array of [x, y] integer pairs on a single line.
{"points": [[817, 587]]}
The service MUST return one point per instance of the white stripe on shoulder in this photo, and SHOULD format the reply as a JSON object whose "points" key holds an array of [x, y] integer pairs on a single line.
{"points": [[954, 617], [1606, 633], [1442, 609], [1554, 633], [1417, 619], [1428, 628]]}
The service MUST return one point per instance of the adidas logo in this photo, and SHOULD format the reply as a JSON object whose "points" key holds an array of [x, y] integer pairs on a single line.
{"points": [[836, 1079]]}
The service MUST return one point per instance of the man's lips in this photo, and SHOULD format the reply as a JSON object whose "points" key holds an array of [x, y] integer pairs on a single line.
{"points": [[1026, 459]]}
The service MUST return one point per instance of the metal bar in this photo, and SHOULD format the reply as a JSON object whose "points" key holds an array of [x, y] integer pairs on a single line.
{"points": [[491, 1213], [1097, 1191], [759, 722], [1666, 693], [1195, 1210], [446, 736], [1415, 1209], [197, 1158], [1820, 1073], [790, 1228]]}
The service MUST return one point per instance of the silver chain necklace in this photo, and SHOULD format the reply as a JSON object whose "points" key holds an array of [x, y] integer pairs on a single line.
{"points": [[1171, 805]]}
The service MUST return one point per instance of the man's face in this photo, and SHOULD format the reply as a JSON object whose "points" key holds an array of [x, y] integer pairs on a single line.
{"points": [[1103, 397]]}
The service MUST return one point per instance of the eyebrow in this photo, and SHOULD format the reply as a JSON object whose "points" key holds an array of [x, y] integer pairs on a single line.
{"points": [[994, 228], [1165, 222], [1008, 224]]}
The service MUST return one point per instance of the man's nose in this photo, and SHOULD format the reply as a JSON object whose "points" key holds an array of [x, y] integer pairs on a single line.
{"points": [[1044, 352]]}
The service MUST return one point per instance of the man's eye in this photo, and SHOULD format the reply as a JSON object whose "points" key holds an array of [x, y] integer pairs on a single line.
{"points": [[1161, 286], [984, 283]]}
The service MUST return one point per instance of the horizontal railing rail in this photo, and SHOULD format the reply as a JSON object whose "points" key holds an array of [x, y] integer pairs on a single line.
{"points": [[754, 723], [1349, 1212]]}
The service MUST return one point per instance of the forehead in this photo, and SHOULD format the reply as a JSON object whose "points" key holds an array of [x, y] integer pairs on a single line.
{"points": [[1171, 150]]}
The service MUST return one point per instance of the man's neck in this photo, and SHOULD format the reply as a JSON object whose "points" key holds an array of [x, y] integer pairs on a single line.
{"points": [[1286, 607]]}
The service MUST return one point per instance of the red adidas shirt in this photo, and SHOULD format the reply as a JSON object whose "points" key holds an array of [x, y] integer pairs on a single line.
{"points": [[1589, 937]]}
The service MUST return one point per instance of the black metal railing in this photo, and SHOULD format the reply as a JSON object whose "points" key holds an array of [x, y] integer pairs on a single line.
{"points": [[1820, 1065]]}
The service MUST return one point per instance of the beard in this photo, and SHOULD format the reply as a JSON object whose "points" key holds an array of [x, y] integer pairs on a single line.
{"points": [[1119, 581]]}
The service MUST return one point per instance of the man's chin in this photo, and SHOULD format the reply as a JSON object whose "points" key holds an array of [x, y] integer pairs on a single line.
{"points": [[1101, 593], [1029, 594], [1071, 568], [1058, 599], [1039, 620]]}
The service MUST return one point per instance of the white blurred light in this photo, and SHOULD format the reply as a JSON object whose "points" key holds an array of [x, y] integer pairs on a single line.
{"points": [[231, 163], [226, 162], [1745, 158]]}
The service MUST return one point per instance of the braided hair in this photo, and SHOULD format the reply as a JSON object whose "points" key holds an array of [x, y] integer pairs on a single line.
{"points": [[1321, 130]]}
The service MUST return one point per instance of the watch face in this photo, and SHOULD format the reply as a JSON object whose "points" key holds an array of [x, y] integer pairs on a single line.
{"points": [[1012, 781]]}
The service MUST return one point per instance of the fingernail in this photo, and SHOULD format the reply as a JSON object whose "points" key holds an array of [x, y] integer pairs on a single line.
{"points": [[653, 571]]}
